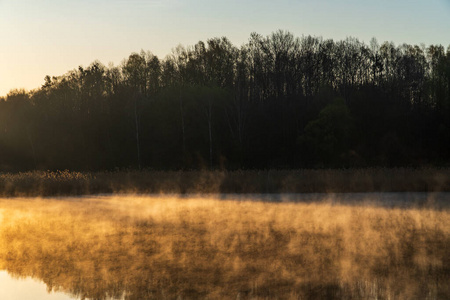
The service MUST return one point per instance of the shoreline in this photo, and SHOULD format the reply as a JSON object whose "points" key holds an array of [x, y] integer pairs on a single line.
{"points": [[68, 183]]}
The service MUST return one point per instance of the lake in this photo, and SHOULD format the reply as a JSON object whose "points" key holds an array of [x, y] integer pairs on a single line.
{"points": [[27, 288], [290, 246]]}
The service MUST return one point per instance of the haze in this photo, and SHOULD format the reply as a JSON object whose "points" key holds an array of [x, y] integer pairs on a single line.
{"points": [[50, 37]]}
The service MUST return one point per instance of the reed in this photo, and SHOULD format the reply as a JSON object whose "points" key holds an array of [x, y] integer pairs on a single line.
{"points": [[66, 183]]}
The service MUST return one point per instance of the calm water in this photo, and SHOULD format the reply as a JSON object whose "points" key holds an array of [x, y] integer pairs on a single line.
{"points": [[388, 200], [26, 288], [56, 250]]}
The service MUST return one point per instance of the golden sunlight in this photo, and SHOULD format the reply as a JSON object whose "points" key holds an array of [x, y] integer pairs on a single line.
{"points": [[143, 247]]}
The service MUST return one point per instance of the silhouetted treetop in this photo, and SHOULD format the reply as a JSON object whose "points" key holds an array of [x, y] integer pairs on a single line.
{"points": [[277, 101]]}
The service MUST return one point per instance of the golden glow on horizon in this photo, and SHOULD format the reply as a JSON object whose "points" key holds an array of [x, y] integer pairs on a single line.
{"points": [[42, 38]]}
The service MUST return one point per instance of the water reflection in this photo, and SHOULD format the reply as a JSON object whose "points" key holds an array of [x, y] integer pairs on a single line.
{"points": [[191, 248], [435, 200], [26, 288]]}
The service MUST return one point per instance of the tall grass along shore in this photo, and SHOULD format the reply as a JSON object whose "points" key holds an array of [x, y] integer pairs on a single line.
{"points": [[65, 183]]}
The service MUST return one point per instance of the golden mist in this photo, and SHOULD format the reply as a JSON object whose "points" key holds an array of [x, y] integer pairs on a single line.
{"points": [[162, 247]]}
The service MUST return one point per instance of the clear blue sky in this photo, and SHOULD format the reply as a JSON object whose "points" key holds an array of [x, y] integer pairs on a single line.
{"points": [[40, 37]]}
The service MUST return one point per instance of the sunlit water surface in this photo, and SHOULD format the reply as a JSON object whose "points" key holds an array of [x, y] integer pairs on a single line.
{"points": [[226, 246], [26, 288]]}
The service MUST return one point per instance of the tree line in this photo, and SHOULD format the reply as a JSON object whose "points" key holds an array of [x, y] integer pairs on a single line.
{"points": [[278, 101]]}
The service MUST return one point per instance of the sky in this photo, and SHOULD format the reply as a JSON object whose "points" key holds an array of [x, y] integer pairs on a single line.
{"points": [[51, 37]]}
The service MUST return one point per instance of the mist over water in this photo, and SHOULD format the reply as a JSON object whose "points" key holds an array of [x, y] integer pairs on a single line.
{"points": [[435, 200], [223, 247]]}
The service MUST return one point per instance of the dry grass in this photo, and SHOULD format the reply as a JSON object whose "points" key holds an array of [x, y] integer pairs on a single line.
{"points": [[39, 183], [166, 247]]}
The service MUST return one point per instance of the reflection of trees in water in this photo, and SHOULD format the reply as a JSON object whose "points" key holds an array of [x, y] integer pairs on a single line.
{"points": [[143, 248]]}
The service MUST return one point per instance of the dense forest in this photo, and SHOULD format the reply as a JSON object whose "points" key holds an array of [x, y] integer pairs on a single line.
{"points": [[275, 102]]}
